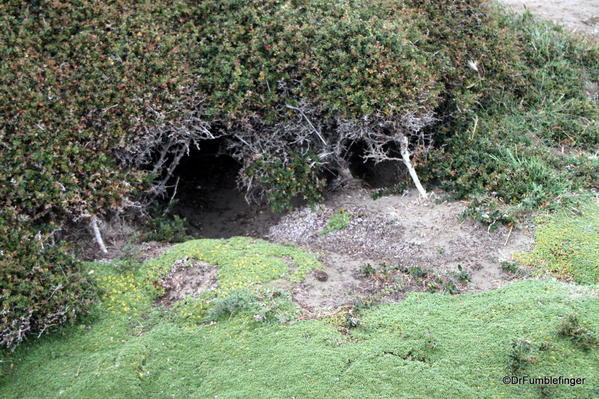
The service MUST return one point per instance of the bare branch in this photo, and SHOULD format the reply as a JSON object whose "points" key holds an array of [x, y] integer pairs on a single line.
{"points": [[98, 234]]}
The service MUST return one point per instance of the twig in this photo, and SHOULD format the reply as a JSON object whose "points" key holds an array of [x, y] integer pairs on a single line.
{"points": [[308, 120], [170, 202]]}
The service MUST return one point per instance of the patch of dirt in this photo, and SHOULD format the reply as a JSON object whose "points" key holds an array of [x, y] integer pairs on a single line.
{"points": [[343, 285], [402, 231], [208, 198], [187, 279], [580, 16], [222, 212], [150, 250]]}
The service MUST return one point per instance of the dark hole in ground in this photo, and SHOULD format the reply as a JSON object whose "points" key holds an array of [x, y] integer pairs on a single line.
{"points": [[209, 199], [383, 174], [214, 207]]}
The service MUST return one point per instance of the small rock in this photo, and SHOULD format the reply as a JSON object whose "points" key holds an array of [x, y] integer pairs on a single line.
{"points": [[321, 275]]}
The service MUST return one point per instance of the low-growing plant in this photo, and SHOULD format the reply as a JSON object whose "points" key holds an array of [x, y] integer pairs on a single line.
{"points": [[167, 229], [129, 262], [567, 244], [351, 321], [367, 270], [571, 328], [520, 356], [416, 271], [547, 391], [340, 220], [462, 275], [450, 286], [231, 304], [275, 306], [509, 267]]}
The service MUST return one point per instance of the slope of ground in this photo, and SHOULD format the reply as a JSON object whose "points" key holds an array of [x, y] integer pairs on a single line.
{"points": [[239, 331], [455, 346], [397, 232], [567, 245]]}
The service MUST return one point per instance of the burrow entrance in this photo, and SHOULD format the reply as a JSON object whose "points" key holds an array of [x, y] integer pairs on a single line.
{"points": [[383, 174], [209, 199]]}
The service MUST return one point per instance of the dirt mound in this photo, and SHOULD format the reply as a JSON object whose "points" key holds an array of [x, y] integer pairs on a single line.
{"points": [[188, 278], [403, 232]]}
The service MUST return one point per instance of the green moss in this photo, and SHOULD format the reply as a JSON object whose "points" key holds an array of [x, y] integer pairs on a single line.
{"points": [[242, 262], [340, 220], [567, 245], [428, 346]]}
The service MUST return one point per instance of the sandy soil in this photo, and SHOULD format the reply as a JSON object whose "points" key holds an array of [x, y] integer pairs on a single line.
{"points": [[396, 235], [580, 16], [400, 232]]}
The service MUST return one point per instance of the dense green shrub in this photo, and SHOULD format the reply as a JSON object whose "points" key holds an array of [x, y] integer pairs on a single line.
{"points": [[80, 80], [40, 285], [508, 155], [94, 90]]}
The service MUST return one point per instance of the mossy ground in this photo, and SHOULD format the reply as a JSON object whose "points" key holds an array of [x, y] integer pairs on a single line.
{"points": [[567, 245], [428, 346]]}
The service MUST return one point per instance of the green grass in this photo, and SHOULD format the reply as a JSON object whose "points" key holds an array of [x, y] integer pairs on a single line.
{"points": [[567, 245], [428, 346], [339, 221]]}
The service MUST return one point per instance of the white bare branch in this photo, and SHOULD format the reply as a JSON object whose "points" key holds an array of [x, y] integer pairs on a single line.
{"points": [[97, 234]]}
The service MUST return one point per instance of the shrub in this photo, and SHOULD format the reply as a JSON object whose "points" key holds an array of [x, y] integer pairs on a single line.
{"points": [[102, 102], [284, 181], [520, 356], [502, 155], [571, 328], [96, 94], [40, 285], [80, 86], [167, 229]]}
